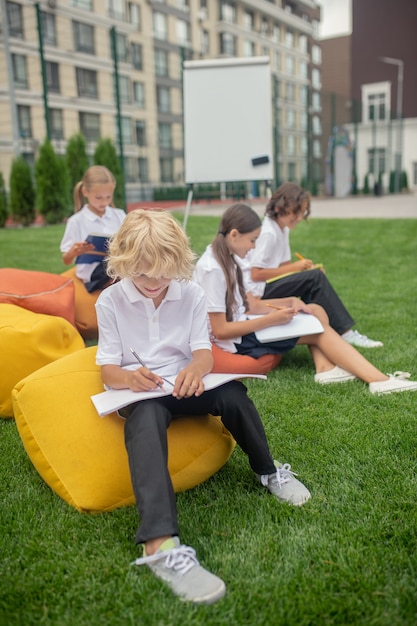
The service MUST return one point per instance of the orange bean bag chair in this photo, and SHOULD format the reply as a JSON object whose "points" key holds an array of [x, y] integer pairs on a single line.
{"points": [[85, 312], [226, 362]]}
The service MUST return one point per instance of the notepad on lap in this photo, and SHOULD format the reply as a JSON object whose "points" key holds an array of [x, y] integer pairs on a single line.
{"points": [[115, 399], [317, 266], [301, 324]]}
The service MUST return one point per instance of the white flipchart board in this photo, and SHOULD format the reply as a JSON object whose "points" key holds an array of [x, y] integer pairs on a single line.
{"points": [[228, 120]]}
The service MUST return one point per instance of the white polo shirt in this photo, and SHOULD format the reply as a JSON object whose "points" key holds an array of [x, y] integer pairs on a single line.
{"points": [[209, 274], [272, 249], [82, 224], [164, 338]]}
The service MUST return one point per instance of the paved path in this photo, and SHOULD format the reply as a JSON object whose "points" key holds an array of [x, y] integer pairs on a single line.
{"points": [[389, 206]]}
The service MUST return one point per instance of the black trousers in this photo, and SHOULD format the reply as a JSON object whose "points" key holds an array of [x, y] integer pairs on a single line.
{"points": [[312, 286], [146, 444]]}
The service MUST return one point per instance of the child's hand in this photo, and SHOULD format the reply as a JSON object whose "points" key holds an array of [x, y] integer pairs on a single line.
{"points": [[188, 383], [143, 379], [82, 247], [279, 317], [302, 264]]}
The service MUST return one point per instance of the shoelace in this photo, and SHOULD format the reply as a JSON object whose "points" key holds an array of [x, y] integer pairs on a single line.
{"points": [[282, 476], [400, 375], [180, 559]]}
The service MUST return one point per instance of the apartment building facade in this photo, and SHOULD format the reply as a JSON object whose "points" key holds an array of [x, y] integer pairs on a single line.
{"points": [[113, 68]]}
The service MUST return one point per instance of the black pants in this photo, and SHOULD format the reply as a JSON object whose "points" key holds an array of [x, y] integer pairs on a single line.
{"points": [[312, 286], [146, 443]]}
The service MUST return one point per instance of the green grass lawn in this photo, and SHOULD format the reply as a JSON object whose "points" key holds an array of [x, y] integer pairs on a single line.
{"points": [[349, 556]]}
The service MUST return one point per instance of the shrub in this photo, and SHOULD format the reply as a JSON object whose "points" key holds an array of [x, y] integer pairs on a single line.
{"points": [[22, 192], [4, 212], [52, 188], [366, 184], [76, 159], [105, 154], [403, 180]]}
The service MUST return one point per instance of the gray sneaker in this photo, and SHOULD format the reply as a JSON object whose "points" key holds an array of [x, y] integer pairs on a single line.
{"points": [[284, 486], [178, 566]]}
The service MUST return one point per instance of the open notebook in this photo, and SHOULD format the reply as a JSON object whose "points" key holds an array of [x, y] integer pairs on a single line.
{"points": [[115, 399]]}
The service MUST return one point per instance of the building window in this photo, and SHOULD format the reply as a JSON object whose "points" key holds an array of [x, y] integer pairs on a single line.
{"points": [[290, 118], [15, 19], [317, 149], [90, 126], [140, 133], [303, 69], [136, 50], [161, 62], [117, 9], [304, 94], [121, 47], [143, 170], [291, 145], [160, 29], [183, 33], [131, 169], [52, 76], [415, 173], [48, 28], [134, 15], [56, 123], [316, 78], [163, 99], [303, 120], [316, 54], [139, 95], [302, 43], [248, 20], [275, 33], [83, 37], [289, 64], [166, 166], [291, 171], [316, 101], [290, 91], [228, 11], [124, 90], [303, 145], [277, 60], [205, 45], [83, 4], [376, 101], [127, 134], [86, 83], [20, 74], [24, 121], [376, 160], [164, 135], [289, 38], [248, 49], [316, 125], [227, 44]]}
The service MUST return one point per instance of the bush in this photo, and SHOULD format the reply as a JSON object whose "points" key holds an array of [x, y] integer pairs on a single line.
{"points": [[404, 181], [52, 188], [105, 154], [22, 192], [76, 159], [4, 212], [366, 189]]}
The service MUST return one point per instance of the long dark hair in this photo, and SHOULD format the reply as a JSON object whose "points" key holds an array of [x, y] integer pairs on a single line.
{"points": [[288, 198], [244, 219]]}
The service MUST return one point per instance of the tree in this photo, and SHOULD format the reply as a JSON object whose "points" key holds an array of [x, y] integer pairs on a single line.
{"points": [[76, 159], [105, 154], [4, 212], [52, 187], [22, 192]]}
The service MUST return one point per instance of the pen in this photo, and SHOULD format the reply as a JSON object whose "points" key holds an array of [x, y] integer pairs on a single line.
{"points": [[299, 256], [137, 357], [272, 306]]}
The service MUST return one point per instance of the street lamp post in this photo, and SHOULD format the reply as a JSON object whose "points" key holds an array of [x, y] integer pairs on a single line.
{"points": [[400, 79]]}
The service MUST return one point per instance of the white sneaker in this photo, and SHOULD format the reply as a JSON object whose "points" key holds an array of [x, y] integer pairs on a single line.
{"points": [[360, 341], [335, 375], [178, 566], [284, 486], [395, 382]]}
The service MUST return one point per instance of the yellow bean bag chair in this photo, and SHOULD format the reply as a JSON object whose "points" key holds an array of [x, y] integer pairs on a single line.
{"points": [[82, 457], [85, 312], [29, 341]]}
